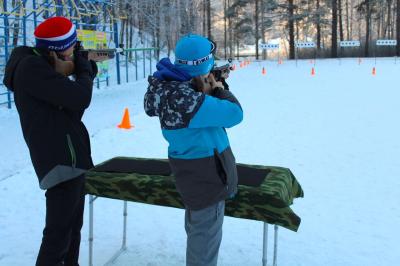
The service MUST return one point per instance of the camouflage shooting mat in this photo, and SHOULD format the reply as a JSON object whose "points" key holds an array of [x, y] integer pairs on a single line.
{"points": [[265, 192]]}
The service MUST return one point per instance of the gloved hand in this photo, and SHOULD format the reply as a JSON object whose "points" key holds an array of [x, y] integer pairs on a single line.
{"points": [[83, 65]]}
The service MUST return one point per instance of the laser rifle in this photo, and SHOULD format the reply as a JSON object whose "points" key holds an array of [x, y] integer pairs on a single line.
{"points": [[98, 55], [219, 71]]}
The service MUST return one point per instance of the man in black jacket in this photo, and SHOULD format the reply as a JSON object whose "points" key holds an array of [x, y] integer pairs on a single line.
{"points": [[51, 106]]}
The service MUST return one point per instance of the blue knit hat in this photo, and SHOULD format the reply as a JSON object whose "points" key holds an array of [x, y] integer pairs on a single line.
{"points": [[56, 33], [194, 55]]}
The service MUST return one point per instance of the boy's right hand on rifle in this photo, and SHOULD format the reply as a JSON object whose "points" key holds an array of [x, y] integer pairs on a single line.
{"points": [[63, 67], [213, 83], [207, 84]]}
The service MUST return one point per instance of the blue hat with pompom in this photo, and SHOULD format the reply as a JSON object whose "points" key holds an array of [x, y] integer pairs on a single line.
{"points": [[194, 55]]}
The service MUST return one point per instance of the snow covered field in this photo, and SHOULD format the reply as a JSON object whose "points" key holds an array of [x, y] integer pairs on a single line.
{"points": [[337, 131]]}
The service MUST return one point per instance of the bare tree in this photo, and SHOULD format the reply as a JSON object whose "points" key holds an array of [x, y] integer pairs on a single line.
{"points": [[367, 26], [341, 35], [257, 37], [398, 27], [225, 33], [318, 25], [334, 28], [209, 19], [204, 9], [291, 29]]}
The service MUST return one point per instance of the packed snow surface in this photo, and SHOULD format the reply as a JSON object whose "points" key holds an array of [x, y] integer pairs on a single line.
{"points": [[338, 131]]}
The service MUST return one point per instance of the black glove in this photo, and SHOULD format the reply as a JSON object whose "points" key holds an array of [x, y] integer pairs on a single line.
{"points": [[84, 66]]}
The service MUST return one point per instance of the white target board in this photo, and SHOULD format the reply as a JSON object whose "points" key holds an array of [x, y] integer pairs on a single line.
{"points": [[350, 44], [386, 42], [269, 46], [306, 45]]}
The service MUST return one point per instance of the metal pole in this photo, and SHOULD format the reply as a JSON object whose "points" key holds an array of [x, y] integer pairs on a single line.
{"points": [[144, 64], [136, 72], [275, 262], [91, 202], [24, 23], [265, 245], [126, 67], [70, 8], [46, 12], [117, 55], [6, 41], [125, 223], [123, 248], [34, 14], [151, 61]]}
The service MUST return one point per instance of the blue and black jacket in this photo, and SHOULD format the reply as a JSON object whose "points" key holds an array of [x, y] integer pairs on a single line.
{"points": [[194, 125]]}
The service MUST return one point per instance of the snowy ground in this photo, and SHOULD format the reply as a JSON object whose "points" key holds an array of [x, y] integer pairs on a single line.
{"points": [[338, 132]]}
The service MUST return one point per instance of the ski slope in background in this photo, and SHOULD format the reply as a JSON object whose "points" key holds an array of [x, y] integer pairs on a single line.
{"points": [[338, 131]]}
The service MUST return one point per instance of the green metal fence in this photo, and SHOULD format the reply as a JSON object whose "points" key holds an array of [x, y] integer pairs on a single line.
{"points": [[134, 56]]}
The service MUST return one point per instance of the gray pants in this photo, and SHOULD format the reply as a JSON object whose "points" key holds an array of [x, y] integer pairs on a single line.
{"points": [[204, 234]]}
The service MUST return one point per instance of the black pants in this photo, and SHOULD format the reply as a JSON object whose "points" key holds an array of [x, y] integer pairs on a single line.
{"points": [[64, 218]]}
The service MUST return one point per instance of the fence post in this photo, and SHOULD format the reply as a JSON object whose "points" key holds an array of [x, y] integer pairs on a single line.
{"points": [[70, 8], [6, 41], [46, 12], [24, 23], [136, 72], [117, 55], [126, 67], [34, 14], [151, 62], [144, 63], [59, 8]]}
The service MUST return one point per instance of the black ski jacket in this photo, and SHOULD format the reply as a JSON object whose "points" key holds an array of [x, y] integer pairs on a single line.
{"points": [[50, 108]]}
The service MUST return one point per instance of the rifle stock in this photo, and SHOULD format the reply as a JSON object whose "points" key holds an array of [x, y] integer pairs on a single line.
{"points": [[98, 55]]}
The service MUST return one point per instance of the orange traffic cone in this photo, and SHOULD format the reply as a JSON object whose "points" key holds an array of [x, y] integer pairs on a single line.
{"points": [[233, 67], [313, 72], [280, 62], [125, 123], [241, 64], [264, 71], [374, 71]]}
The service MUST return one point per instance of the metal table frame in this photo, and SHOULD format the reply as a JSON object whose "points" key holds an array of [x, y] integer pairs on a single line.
{"points": [[124, 248]]}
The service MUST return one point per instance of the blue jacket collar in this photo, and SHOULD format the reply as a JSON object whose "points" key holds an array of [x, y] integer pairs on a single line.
{"points": [[169, 72]]}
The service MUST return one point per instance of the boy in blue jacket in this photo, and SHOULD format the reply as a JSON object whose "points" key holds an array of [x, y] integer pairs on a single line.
{"points": [[194, 111]]}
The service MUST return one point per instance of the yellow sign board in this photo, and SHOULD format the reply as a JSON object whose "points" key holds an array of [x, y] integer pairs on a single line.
{"points": [[95, 40]]}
